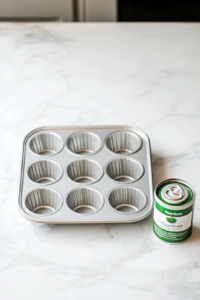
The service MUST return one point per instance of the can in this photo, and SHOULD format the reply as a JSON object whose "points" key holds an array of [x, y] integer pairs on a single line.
{"points": [[173, 210]]}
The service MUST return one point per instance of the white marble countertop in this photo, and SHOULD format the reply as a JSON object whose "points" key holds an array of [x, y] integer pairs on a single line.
{"points": [[146, 75]]}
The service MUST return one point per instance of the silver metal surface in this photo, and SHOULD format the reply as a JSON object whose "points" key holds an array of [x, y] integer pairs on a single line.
{"points": [[84, 143], [84, 200], [127, 200], [44, 172], [174, 193], [43, 201], [124, 170], [85, 171], [123, 142], [46, 144], [120, 191]]}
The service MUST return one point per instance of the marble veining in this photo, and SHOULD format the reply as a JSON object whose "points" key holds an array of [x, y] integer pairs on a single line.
{"points": [[146, 75]]}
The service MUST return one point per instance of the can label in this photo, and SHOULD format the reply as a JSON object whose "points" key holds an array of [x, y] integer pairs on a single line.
{"points": [[173, 211], [172, 226]]}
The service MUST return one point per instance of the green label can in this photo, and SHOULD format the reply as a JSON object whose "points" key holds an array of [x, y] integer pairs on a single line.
{"points": [[173, 211]]}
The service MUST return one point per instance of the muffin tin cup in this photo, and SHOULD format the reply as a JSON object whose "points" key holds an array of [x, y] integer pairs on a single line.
{"points": [[43, 201], [84, 171], [84, 143], [44, 172], [46, 144], [123, 142], [84, 200], [124, 170], [107, 175], [127, 200]]}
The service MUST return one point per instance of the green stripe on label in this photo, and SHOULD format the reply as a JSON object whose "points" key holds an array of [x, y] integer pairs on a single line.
{"points": [[171, 237], [173, 213]]}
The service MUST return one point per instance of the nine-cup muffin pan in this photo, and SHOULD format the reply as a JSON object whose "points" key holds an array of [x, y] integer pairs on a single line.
{"points": [[86, 174]]}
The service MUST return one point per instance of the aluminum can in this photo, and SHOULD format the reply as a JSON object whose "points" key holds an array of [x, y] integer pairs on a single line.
{"points": [[173, 210]]}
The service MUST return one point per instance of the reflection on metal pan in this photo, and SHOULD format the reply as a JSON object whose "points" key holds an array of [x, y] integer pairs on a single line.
{"points": [[103, 174]]}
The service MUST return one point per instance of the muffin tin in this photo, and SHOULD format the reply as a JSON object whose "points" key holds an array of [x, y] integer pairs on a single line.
{"points": [[86, 174]]}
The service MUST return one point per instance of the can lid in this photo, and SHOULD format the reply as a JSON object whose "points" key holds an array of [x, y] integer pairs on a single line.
{"points": [[174, 193]]}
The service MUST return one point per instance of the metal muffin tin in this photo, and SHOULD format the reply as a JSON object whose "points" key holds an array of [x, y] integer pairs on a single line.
{"points": [[86, 174]]}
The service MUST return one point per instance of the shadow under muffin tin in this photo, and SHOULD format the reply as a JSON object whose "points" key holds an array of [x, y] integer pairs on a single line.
{"points": [[86, 174]]}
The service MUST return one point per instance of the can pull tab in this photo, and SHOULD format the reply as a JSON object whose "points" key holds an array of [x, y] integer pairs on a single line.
{"points": [[175, 192]]}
